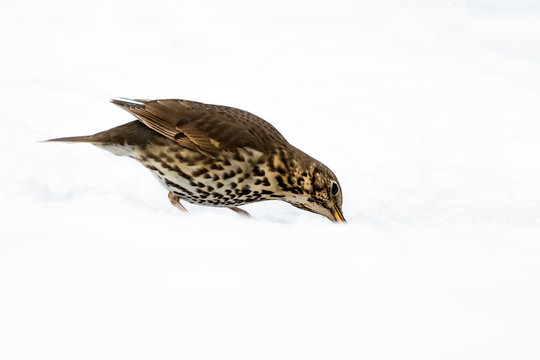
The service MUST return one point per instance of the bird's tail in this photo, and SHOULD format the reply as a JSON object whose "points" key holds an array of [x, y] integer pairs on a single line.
{"points": [[74, 139], [132, 133]]}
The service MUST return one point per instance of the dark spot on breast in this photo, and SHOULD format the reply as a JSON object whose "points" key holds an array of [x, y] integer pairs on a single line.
{"points": [[270, 165], [176, 186], [283, 157], [229, 175], [258, 171], [165, 157], [238, 157], [233, 185], [302, 207], [281, 183], [200, 171], [202, 192], [219, 185], [300, 181], [153, 168]]}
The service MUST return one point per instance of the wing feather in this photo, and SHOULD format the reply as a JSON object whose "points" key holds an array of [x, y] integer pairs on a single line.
{"points": [[210, 129]]}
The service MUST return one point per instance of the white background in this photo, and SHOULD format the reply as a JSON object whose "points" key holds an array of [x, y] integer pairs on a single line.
{"points": [[427, 111]]}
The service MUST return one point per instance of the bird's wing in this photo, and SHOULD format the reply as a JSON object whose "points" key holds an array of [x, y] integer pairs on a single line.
{"points": [[210, 129]]}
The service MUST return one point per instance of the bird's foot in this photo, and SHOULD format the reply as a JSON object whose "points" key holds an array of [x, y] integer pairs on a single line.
{"points": [[240, 211], [175, 201]]}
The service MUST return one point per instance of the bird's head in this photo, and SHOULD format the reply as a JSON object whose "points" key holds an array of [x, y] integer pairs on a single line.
{"points": [[320, 191]]}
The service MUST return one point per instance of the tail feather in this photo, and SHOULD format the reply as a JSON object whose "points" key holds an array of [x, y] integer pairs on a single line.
{"points": [[125, 102], [74, 139], [133, 132]]}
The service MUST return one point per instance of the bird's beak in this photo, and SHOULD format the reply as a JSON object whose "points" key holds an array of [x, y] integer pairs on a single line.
{"points": [[338, 215]]}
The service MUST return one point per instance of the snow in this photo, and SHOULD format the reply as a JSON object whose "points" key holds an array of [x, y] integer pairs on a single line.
{"points": [[427, 111]]}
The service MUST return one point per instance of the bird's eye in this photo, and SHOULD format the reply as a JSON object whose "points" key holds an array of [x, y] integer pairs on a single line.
{"points": [[335, 188]]}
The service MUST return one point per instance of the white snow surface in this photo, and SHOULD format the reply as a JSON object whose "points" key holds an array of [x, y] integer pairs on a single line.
{"points": [[427, 111]]}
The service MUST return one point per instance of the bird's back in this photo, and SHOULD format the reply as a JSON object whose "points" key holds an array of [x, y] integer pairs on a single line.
{"points": [[213, 129]]}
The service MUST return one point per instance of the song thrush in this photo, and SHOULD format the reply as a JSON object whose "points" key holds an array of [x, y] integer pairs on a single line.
{"points": [[219, 156]]}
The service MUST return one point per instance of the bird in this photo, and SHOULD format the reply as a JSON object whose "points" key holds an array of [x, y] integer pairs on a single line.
{"points": [[219, 156]]}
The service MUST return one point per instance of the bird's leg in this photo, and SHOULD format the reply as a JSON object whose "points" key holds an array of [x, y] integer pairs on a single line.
{"points": [[175, 201], [240, 211]]}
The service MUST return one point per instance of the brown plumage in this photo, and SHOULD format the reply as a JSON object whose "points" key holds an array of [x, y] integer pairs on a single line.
{"points": [[219, 156]]}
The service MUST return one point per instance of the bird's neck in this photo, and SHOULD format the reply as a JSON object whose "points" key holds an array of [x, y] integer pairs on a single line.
{"points": [[290, 171]]}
